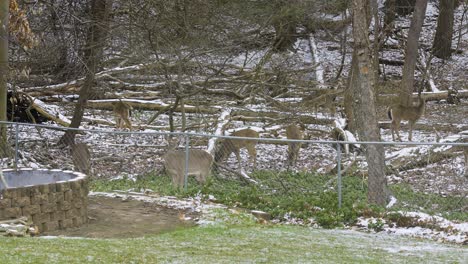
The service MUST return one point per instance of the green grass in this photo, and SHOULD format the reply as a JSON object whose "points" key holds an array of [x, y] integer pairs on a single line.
{"points": [[299, 195], [447, 206], [237, 238], [234, 244]]}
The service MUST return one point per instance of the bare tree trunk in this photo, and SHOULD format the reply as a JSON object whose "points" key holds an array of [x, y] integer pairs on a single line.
{"points": [[4, 17], [93, 53], [376, 47], [353, 80], [411, 52], [364, 106], [442, 46]]}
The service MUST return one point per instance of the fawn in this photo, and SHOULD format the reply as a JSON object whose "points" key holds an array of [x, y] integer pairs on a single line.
{"points": [[229, 146], [122, 112], [412, 113], [293, 132], [199, 164]]}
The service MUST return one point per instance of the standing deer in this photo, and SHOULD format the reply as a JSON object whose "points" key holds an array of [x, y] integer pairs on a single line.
{"points": [[199, 165], [229, 146], [81, 158], [293, 132], [122, 112], [412, 113]]}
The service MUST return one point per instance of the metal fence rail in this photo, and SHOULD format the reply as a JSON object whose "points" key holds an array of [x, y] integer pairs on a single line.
{"points": [[431, 167]]}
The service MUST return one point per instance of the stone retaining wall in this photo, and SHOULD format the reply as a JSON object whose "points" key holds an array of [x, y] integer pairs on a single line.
{"points": [[50, 206]]}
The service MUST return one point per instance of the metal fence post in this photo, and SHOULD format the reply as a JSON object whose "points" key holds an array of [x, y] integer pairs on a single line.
{"points": [[187, 143], [16, 145], [338, 160]]}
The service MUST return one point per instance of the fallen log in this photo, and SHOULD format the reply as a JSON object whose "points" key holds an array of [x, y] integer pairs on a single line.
{"points": [[151, 105], [388, 99], [24, 108], [428, 127]]}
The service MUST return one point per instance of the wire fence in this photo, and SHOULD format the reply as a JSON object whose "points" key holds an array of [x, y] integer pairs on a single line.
{"points": [[438, 171]]}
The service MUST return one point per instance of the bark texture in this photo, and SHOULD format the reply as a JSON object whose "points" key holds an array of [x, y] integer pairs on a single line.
{"points": [[442, 46], [411, 52], [100, 10], [4, 16], [364, 107]]}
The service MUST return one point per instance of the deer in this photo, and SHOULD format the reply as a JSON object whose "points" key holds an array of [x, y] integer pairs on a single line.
{"points": [[229, 146], [411, 113], [323, 98], [122, 112], [293, 132], [199, 165], [81, 157]]}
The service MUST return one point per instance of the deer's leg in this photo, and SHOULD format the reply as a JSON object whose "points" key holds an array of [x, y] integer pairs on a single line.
{"points": [[290, 155], [397, 129], [116, 121], [181, 178], [128, 124], [254, 153], [410, 135], [173, 175]]}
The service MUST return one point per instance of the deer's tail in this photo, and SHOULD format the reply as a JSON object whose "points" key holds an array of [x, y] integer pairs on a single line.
{"points": [[390, 113]]}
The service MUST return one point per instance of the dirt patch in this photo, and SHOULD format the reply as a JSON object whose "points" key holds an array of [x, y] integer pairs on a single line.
{"points": [[126, 218]]}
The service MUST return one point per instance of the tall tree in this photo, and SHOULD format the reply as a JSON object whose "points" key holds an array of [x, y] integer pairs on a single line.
{"points": [[364, 105], [411, 52], [442, 46], [13, 23], [353, 79], [4, 17], [100, 11]]}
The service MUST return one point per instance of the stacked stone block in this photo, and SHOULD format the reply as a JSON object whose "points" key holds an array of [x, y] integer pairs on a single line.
{"points": [[51, 206]]}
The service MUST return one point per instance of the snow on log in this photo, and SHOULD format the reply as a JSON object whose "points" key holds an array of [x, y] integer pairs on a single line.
{"points": [[222, 122], [97, 76], [428, 96], [151, 105], [427, 70], [340, 134], [50, 112]]}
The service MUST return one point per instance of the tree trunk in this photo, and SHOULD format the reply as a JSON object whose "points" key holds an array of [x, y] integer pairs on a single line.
{"points": [[353, 80], [411, 52], [376, 47], [442, 46], [4, 16], [92, 53], [364, 106]]}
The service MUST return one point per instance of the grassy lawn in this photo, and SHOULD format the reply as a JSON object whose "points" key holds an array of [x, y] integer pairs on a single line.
{"points": [[238, 239], [218, 244], [300, 195]]}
